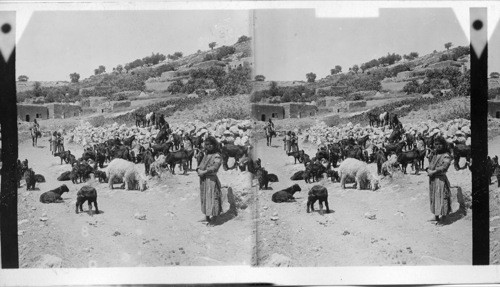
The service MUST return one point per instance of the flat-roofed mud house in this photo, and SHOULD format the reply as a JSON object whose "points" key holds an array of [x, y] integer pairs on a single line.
{"points": [[494, 107], [28, 112], [264, 112], [63, 111]]}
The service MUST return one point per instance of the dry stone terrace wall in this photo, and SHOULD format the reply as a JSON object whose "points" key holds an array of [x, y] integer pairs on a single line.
{"points": [[229, 130]]}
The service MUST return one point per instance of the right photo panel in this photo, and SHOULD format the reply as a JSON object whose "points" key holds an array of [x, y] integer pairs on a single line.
{"points": [[363, 139], [494, 143]]}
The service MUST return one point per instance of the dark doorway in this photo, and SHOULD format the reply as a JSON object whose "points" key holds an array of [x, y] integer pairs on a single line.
{"points": [[27, 118], [497, 115], [263, 118]]}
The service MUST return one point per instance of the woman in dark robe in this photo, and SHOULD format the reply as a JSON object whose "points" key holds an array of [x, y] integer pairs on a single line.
{"points": [[439, 186], [210, 186]]}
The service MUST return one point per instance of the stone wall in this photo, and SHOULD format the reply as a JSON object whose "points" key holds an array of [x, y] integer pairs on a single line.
{"points": [[30, 112], [264, 112], [299, 110], [62, 111]]}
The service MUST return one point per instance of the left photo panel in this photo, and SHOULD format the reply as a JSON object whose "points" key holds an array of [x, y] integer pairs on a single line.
{"points": [[133, 139]]}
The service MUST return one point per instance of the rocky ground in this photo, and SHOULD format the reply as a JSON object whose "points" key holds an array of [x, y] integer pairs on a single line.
{"points": [[161, 226], [390, 226]]}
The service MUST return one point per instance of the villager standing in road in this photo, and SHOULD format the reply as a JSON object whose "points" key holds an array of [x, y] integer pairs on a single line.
{"points": [[294, 142], [287, 140], [210, 186], [439, 186]]}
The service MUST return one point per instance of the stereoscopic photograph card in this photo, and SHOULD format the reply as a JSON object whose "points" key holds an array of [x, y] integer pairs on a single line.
{"points": [[249, 142]]}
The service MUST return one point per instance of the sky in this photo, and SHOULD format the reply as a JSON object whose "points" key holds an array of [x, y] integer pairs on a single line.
{"points": [[299, 42], [58, 43], [289, 43]]}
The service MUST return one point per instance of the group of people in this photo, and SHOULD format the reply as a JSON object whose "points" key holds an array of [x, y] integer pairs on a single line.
{"points": [[291, 142], [56, 142]]}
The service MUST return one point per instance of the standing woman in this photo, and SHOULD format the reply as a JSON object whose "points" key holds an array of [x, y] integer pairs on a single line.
{"points": [[294, 142], [439, 186], [210, 187], [53, 142], [287, 140]]}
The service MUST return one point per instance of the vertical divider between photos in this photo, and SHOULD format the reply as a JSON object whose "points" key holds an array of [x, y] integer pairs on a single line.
{"points": [[479, 145], [8, 193]]}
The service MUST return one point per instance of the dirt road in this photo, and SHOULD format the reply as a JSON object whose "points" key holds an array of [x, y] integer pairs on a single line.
{"points": [[172, 232], [400, 231]]}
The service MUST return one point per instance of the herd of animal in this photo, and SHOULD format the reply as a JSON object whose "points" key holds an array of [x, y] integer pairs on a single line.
{"points": [[347, 160], [123, 159]]}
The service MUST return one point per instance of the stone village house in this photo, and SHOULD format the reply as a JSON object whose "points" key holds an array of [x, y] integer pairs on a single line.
{"points": [[264, 112], [29, 112]]}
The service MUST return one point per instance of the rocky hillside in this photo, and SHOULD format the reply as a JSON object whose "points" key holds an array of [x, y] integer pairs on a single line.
{"points": [[151, 78]]}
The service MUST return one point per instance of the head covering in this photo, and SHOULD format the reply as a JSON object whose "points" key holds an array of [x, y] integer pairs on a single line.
{"points": [[442, 141], [213, 142]]}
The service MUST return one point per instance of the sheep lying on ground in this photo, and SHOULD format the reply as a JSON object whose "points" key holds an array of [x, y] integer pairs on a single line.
{"points": [[39, 178], [126, 170], [272, 177], [89, 194], [285, 194], [358, 170], [54, 195], [318, 192], [64, 176], [299, 175]]}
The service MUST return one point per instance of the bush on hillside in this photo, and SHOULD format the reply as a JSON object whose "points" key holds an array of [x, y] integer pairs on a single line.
{"points": [[461, 51], [243, 39], [164, 68], [260, 78], [411, 87], [493, 93], [220, 53], [393, 72], [237, 81], [175, 87], [389, 59], [154, 59], [257, 96]]}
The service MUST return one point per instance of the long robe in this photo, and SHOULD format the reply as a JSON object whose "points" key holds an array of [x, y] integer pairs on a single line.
{"points": [[439, 186], [210, 187]]}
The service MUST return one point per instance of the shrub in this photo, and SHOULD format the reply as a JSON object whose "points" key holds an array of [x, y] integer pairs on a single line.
{"points": [[461, 51], [257, 96], [493, 93], [411, 87], [398, 69], [446, 57], [164, 68], [260, 78], [175, 87], [243, 39]]}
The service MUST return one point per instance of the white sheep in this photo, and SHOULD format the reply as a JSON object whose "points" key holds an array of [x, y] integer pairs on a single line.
{"points": [[128, 172], [357, 170], [157, 166]]}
